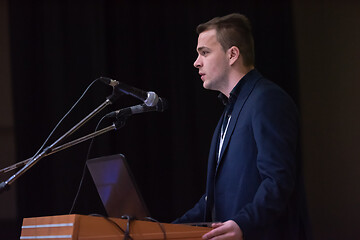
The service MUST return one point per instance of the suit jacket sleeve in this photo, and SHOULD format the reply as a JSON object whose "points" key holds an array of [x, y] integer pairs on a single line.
{"points": [[196, 214]]}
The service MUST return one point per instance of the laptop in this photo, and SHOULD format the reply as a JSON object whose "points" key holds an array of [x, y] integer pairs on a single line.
{"points": [[116, 187]]}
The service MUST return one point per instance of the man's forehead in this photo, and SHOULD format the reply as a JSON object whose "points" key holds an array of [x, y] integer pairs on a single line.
{"points": [[207, 35], [207, 39]]}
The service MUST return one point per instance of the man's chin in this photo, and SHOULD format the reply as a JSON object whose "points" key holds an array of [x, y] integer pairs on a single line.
{"points": [[206, 85]]}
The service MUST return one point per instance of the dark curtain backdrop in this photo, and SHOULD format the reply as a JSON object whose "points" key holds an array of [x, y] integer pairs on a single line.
{"points": [[60, 47]]}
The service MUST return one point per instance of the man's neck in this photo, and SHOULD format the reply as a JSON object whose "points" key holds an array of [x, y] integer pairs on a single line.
{"points": [[235, 77]]}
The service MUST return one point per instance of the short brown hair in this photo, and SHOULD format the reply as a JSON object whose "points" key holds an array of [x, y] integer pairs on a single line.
{"points": [[233, 30]]}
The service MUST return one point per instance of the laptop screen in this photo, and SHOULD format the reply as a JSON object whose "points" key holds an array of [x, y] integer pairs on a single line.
{"points": [[116, 187]]}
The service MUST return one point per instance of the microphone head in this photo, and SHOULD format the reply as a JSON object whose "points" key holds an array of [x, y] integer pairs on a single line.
{"points": [[152, 99]]}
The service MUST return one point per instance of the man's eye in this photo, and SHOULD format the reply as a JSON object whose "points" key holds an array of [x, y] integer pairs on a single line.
{"points": [[204, 53]]}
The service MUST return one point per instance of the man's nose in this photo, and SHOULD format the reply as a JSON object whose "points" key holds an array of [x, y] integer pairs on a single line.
{"points": [[197, 63]]}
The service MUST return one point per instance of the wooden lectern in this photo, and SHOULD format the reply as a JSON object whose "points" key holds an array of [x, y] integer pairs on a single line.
{"points": [[80, 227]]}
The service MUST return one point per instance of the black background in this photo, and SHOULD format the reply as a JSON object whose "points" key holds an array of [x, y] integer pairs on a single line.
{"points": [[59, 47]]}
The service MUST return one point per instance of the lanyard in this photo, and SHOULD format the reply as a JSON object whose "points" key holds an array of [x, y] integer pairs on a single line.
{"points": [[223, 134]]}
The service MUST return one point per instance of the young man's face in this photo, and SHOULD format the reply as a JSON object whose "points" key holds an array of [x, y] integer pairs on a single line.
{"points": [[212, 61]]}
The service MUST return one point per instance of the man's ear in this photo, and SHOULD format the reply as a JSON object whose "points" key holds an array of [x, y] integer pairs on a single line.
{"points": [[234, 54]]}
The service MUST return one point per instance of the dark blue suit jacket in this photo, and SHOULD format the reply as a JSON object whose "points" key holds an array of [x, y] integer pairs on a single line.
{"points": [[258, 181]]}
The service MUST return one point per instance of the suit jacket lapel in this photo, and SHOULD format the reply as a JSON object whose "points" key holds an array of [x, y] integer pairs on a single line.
{"points": [[240, 101], [214, 149], [211, 172]]}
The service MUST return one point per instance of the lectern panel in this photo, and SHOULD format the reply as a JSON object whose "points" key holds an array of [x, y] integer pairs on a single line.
{"points": [[80, 227]]}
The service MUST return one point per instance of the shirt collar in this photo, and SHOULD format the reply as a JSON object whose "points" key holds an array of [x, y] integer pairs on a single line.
{"points": [[234, 92]]}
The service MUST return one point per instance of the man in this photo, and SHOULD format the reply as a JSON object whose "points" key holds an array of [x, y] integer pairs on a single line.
{"points": [[254, 186]]}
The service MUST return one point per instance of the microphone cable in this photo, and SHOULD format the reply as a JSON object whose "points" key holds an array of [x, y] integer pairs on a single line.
{"points": [[62, 119], [84, 168], [112, 222], [160, 225]]}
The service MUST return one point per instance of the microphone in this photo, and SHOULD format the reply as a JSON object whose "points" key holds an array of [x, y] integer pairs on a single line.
{"points": [[161, 106], [149, 98]]}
